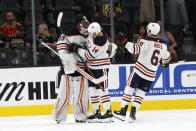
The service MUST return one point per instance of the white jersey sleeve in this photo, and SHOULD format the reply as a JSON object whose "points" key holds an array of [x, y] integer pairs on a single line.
{"points": [[136, 48], [166, 57]]}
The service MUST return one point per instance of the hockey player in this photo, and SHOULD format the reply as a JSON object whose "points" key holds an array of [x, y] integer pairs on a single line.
{"points": [[98, 54], [151, 51], [71, 83]]}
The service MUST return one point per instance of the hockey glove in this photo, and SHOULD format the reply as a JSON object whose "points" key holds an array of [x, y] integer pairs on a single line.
{"points": [[122, 39], [73, 47], [164, 65]]}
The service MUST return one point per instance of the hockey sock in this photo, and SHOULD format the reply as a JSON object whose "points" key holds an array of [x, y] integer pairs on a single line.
{"points": [[95, 99], [127, 96], [105, 99], [139, 95]]}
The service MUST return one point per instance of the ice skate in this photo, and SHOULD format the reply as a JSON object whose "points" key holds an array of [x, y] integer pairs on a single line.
{"points": [[94, 117], [107, 117], [121, 114], [132, 116]]}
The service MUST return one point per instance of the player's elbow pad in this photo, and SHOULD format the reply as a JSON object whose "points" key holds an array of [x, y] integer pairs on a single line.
{"points": [[130, 47]]}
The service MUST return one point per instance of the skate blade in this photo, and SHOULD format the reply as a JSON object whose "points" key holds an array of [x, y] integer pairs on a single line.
{"points": [[130, 120], [108, 120], [58, 121], [92, 120], [122, 118]]}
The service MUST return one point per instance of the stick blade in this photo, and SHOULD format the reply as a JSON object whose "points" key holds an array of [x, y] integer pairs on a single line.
{"points": [[59, 19]]}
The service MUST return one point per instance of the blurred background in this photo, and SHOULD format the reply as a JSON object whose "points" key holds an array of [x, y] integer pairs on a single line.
{"points": [[23, 20]]}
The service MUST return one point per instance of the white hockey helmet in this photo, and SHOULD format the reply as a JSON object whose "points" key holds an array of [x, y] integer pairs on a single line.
{"points": [[94, 28], [153, 28]]}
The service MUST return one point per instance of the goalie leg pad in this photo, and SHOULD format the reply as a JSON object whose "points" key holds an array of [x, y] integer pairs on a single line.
{"points": [[80, 98], [63, 100]]}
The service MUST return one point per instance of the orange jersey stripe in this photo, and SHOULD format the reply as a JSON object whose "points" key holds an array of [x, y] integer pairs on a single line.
{"points": [[99, 62], [80, 64], [137, 49], [89, 57], [144, 70], [62, 46], [72, 35]]}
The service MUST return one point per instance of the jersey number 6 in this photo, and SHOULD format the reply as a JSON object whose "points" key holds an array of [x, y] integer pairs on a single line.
{"points": [[154, 58]]}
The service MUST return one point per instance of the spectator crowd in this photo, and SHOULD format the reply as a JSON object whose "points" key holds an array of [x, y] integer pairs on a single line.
{"points": [[130, 19]]}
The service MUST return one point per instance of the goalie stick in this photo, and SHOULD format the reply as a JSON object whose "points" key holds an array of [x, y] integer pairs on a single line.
{"points": [[81, 71], [104, 77]]}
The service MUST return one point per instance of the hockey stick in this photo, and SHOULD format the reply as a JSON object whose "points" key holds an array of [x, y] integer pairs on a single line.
{"points": [[81, 71], [59, 22], [61, 31]]}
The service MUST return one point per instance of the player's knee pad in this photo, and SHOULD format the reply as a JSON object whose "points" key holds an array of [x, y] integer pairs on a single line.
{"points": [[129, 90]]}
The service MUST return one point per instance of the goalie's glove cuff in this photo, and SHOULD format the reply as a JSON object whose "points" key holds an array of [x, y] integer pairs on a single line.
{"points": [[73, 47]]}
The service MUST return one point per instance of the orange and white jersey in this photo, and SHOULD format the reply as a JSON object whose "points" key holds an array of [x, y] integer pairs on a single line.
{"points": [[72, 36], [150, 51], [96, 53]]}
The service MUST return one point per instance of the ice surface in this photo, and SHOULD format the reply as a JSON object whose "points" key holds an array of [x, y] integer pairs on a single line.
{"points": [[164, 120]]}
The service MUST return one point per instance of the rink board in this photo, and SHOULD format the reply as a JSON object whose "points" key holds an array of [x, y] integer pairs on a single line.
{"points": [[31, 91]]}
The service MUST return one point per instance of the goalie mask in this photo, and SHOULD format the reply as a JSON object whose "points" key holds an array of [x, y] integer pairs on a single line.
{"points": [[82, 24]]}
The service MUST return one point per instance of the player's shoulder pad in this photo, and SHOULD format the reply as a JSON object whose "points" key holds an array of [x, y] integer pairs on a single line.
{"points": [[72, 32], [100, 41]]}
